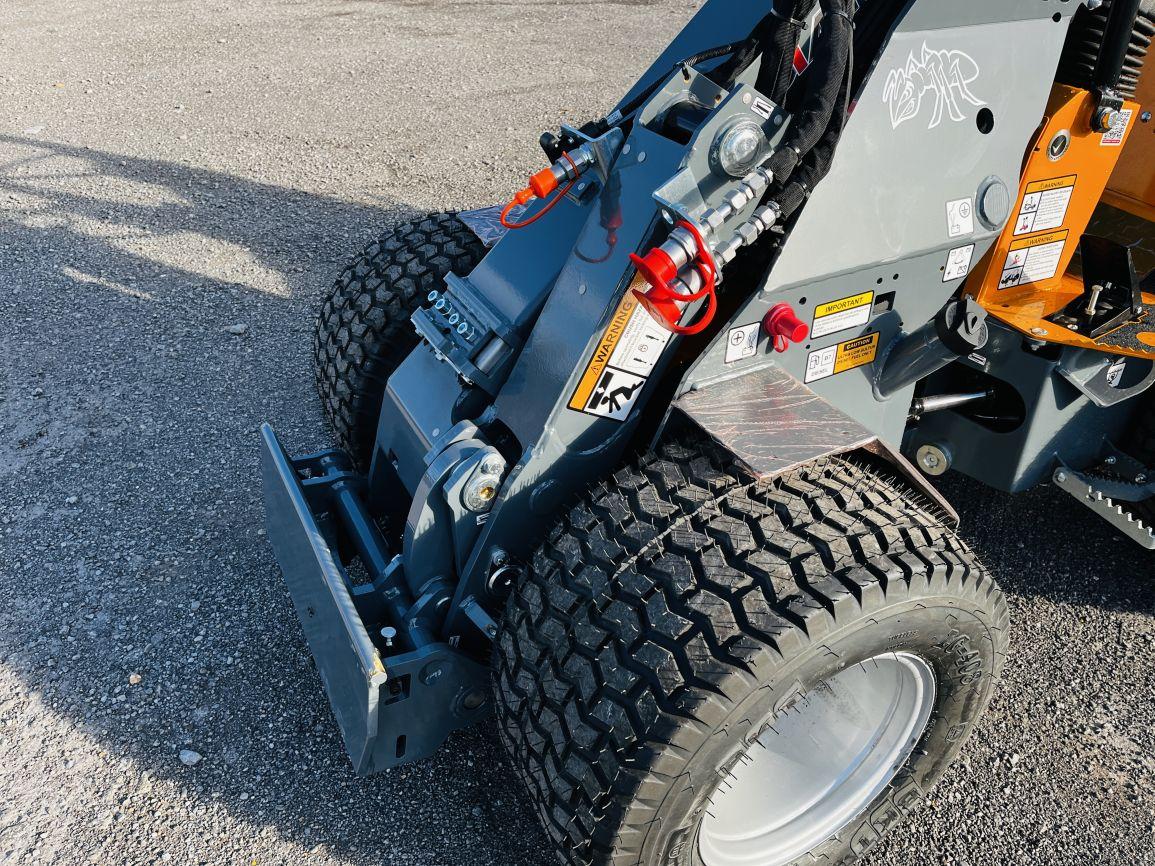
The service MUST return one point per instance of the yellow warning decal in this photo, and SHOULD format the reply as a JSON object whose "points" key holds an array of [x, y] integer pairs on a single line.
{"points": [[841, 315], [605, 349], [1053, 183], [1032, 259], [1041, 240], [824, 363], [626, 354], [1045, 205]]}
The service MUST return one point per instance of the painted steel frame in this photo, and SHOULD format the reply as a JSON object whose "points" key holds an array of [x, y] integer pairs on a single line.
{"points": [[878, 224]]}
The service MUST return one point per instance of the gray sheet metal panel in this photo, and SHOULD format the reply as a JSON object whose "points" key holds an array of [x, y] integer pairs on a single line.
{"points": [[900, 179], [719, 22], [851, 391]]}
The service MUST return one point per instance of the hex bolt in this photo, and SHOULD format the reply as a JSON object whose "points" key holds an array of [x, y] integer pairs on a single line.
{"points": [[1110, 461], [1140, 479], [1060, 476]]}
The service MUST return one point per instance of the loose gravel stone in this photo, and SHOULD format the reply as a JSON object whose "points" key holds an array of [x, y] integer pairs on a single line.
{"points": [[190, 758]]}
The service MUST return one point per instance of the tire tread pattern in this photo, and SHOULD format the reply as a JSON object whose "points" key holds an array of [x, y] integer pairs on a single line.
{"points": [[363, 331], [650, 604]]}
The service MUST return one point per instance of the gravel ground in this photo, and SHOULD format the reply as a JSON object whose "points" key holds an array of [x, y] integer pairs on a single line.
{"points": [[178, 181]]}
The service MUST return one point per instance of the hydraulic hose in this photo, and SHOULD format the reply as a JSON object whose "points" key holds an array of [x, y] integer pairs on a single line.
{"points": [[775, 39], [819, 161], [825, 78], [777, 72]]}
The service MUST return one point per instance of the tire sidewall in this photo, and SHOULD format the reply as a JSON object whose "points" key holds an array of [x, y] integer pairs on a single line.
{"points": [[957, 641]]}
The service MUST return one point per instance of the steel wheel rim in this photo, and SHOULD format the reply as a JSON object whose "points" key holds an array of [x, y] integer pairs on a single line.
{"points": [[820, 764]]}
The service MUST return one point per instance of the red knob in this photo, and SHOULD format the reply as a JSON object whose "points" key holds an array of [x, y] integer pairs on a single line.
{"points": [[784, 327]]}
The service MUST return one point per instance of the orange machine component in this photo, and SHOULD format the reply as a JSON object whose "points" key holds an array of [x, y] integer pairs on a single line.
{"points": [[1132, 186], [1024, 279]]}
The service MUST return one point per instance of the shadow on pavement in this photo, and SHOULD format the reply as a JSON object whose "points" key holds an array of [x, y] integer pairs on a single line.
{"points": [[151, 316]]}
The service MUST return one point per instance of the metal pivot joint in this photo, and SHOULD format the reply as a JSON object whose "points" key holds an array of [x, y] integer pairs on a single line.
{"points": [[959, 329]]}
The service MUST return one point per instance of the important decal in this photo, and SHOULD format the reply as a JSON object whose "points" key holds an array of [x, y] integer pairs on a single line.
{"points": [[742, 342], [958, 263], [1045, 205], [940, 78], [1115, 136], [625, 356], [824, 363], [1033, 259], [842, 315]]}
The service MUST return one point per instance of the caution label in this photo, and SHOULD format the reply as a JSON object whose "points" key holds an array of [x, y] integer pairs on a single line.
{"points": [[824, 363], [626, 354], [1033, 259], [1045, 205], [841, 315]]}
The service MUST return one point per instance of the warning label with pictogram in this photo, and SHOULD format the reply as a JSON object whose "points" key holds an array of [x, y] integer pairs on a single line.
{"points": [[625, 356], [1034, 259], [1045, 205]]}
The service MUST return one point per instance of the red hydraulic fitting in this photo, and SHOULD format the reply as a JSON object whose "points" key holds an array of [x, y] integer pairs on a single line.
{"points": [[656, 267], [661, 270], [784, 327]]}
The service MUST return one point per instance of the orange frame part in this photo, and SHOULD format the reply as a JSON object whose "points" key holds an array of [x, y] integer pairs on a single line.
{"points": [[1025, 277]]}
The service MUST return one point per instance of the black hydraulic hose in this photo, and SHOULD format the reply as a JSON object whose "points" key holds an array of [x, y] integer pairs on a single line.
{"points": [[820, 160], [826, 76], [774, 39], [777, 71], [693, 60]]}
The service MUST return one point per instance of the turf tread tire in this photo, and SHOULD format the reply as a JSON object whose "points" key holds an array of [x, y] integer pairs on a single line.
{"points": [[363, 331], [651, 602]]}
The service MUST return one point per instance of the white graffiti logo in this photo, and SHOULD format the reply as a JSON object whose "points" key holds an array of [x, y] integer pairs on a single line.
{"points": [[944, 76]]}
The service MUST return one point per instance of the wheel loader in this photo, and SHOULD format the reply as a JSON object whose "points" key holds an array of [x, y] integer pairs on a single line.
{"points": [[639, 463]]}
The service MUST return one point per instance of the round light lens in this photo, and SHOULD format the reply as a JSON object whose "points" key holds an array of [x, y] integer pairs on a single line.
{"points": [[739, 147]]}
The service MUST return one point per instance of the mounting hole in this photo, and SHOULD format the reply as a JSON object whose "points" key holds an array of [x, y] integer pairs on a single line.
{"points": [[802, 302], [1057, 17], [986, 121]]}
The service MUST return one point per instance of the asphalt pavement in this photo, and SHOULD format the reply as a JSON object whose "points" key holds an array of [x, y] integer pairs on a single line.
{"points": [[179, 181]]}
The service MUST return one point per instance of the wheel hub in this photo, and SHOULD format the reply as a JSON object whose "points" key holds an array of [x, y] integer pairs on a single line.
{"points": [[820, 764]]}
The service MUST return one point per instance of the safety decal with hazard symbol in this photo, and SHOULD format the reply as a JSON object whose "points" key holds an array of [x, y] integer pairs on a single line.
{"points": [[1032, 259], [625, 356], [824, 363], [1045, 205]]}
